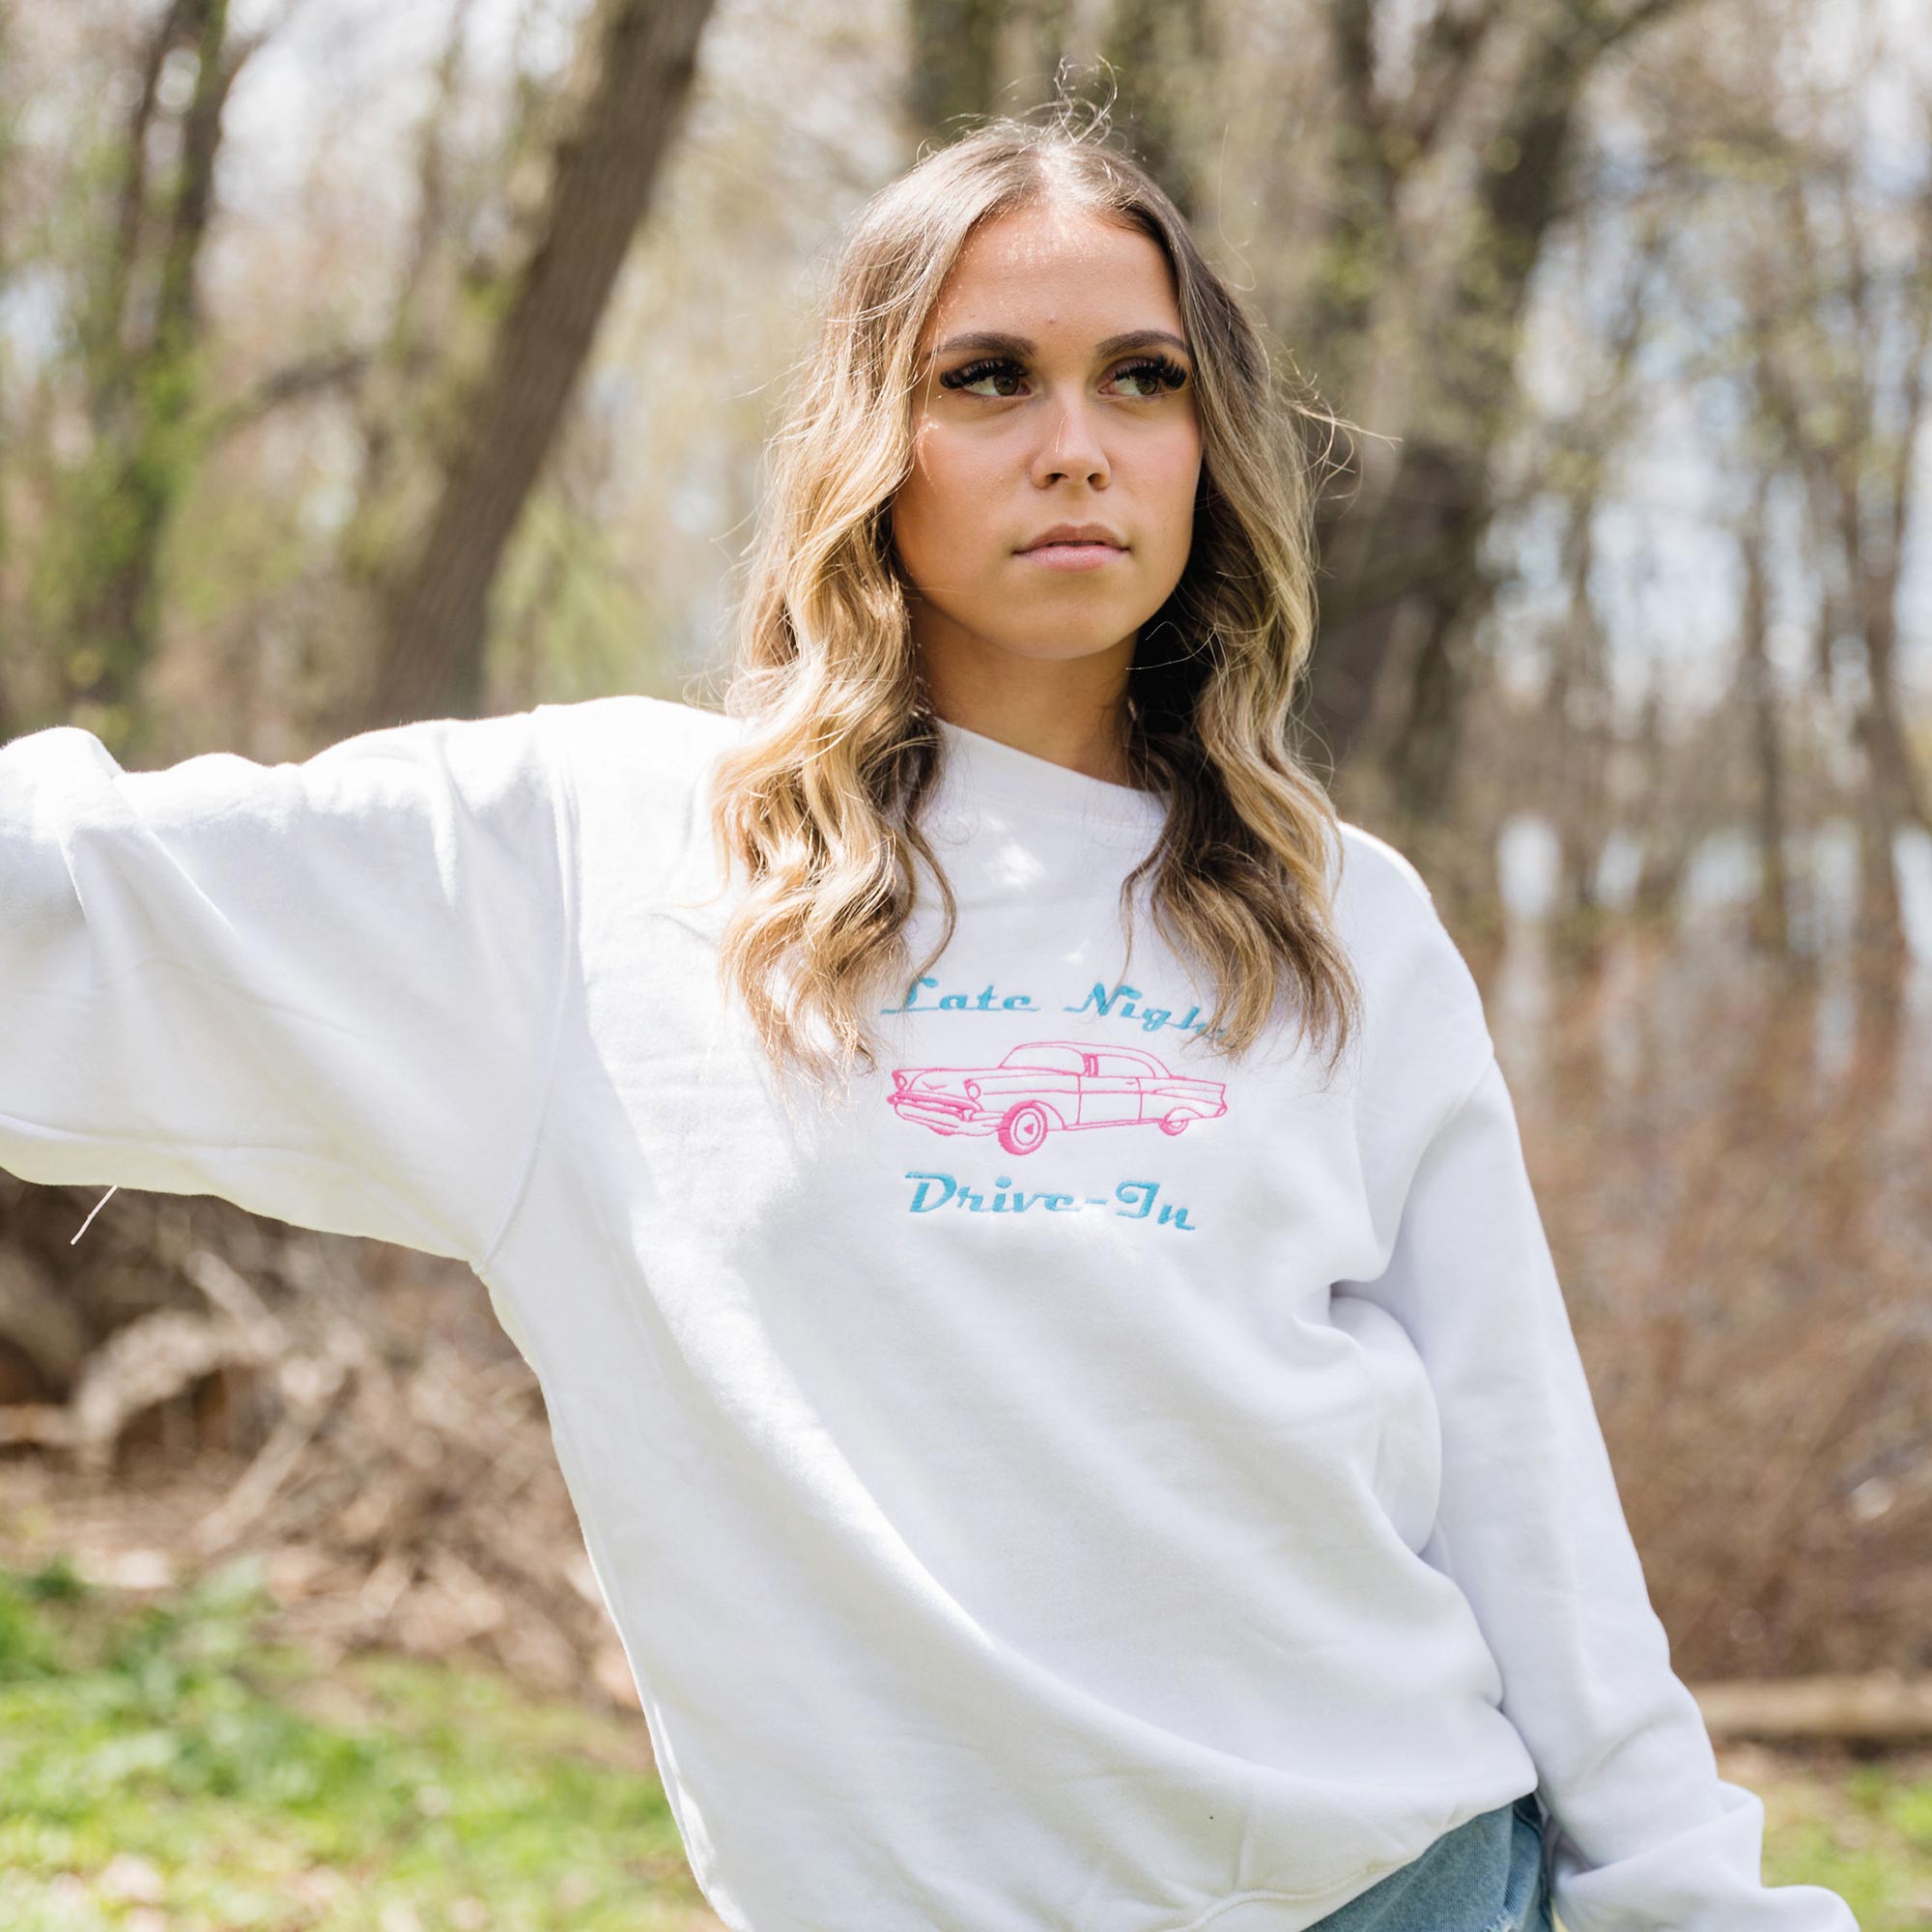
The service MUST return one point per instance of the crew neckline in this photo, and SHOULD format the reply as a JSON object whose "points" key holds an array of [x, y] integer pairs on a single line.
{"points": [[991, 765]]}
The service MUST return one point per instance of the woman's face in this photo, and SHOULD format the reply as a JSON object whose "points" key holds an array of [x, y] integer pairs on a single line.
{"points": [[1060, 420]]}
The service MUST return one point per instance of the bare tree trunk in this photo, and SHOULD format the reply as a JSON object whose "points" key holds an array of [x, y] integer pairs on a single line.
{"points": [[1405, 553], [955, 63], [140, 343], [1580, 725], [1660, 822], [1376, 142], [501, 428], [388, 384], [1771, 913], [1167, 53], [1582, 721], [9, 144], [1859, 484]]}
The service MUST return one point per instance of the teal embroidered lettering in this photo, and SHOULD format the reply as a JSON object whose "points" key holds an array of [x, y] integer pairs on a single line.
{"points": [[1102, 1001], [919, 1204], [981, 1003], [1135, 1199]]}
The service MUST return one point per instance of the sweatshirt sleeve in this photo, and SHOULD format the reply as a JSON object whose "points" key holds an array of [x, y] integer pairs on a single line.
{"points": [[1647, 1837], [328, 991]]}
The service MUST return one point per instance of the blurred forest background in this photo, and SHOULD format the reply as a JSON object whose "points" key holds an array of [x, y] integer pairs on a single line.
{"points": [[362, 363]]}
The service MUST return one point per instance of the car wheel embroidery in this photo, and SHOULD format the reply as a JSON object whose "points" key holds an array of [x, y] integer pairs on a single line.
{"points": [[1054, 1084]]}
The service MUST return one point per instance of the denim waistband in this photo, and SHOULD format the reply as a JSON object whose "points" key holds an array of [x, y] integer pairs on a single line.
{"points": [[1488, 1874]]}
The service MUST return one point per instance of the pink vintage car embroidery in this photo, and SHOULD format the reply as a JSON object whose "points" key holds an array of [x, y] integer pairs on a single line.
{"points": [[1053, 1083]]}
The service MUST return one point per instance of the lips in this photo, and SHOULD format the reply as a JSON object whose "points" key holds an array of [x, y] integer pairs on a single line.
{"points": [[1073, 556], [1075, 534]]}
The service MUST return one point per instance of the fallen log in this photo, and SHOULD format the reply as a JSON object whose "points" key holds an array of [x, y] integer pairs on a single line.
{"points": [[1881, 1706]]}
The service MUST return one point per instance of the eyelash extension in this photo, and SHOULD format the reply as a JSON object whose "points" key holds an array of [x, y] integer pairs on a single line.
{"points": [[1166, 370]]}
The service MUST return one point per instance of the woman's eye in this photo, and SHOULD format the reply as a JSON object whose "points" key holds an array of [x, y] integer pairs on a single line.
{"points": [[1162, 371], [1002, 370], [1156, 373]]}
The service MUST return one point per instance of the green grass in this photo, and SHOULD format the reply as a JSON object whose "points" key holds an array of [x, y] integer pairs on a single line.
{"points": [[1864, 1831], [164, 1768]]}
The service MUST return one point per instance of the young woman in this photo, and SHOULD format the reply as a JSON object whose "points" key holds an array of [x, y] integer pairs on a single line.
{"points": [[1013, 1206]]}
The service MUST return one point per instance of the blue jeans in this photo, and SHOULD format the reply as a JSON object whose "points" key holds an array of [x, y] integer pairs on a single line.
{"points": [[1488, 1875]]}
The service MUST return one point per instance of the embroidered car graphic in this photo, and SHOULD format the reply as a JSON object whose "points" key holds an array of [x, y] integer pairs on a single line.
{"points": [[1053, 1083]]}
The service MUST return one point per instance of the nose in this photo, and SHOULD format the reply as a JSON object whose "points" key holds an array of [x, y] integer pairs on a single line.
{"points": [[1070, 447]]}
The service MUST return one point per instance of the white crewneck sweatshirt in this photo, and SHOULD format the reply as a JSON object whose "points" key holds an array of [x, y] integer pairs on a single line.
{"points": [[1079, 1481]]}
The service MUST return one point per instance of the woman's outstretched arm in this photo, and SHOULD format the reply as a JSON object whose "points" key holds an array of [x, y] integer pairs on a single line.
{"points": [[326, 992], [1531, 1528]]}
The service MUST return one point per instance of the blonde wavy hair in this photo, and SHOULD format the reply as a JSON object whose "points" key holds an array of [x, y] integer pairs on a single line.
{"points": [[820, 798]]}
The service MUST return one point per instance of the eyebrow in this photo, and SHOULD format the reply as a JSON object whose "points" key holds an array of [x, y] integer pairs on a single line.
{"points": [[991, 340]]}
